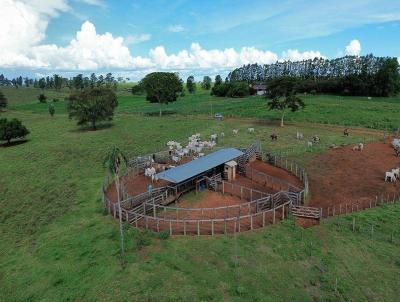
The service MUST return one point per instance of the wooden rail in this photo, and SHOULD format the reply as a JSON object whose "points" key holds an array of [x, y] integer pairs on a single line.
{"points": [[306, 212]]}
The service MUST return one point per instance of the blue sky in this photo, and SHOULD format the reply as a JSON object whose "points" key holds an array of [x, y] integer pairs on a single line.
{"points": [[199, 37]]}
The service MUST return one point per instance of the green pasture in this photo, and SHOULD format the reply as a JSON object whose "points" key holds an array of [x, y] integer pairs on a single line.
{"points": [[376, 113], [58, 244]]}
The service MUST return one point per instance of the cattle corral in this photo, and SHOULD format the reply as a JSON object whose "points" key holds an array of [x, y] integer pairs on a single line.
{"points": [[258, 194], [266, 189]]}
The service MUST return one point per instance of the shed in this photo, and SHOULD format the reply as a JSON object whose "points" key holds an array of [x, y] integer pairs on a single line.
{"points": [[199, 166], [230, 170], [260, 88]]}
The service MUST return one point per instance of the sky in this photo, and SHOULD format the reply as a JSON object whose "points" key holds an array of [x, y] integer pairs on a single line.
{"points": [[133, 38]]}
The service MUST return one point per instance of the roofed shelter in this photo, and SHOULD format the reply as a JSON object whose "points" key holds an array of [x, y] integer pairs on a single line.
{"points": [[200, 166]]}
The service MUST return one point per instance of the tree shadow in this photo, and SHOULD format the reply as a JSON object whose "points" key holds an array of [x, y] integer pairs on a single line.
{"points": [[13, 143], [157, 113], [87, 128]]}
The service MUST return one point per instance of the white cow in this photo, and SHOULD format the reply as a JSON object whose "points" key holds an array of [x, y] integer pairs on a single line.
{"points": [[396, 172], [309, 144], [235, 131], [222, 134], [299, 135], [250, 130], [390, 176]]}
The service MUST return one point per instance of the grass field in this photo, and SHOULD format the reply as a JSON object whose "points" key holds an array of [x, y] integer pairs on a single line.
{"points": [[58, 244], [377, 113]]}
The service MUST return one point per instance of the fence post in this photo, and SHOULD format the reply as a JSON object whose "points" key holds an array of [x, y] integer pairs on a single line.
{"points": [[170, 228], [158, 225], [198, 227], [212, 227], [238, 219], [263, 221], [273, 217], [251, 222], [225, 226], [283, 211]]}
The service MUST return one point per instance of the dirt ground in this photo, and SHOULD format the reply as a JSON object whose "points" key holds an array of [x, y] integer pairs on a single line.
{"points": [[345, 176], [276, 172]]}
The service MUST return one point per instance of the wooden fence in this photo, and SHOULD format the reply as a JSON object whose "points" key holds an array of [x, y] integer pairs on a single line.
{"points": [[291, 166], [350, 207]]}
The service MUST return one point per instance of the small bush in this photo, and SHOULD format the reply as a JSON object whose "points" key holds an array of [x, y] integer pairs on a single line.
{"points": [[163, 235], [52, 110], [42, 98], [55, 100]]}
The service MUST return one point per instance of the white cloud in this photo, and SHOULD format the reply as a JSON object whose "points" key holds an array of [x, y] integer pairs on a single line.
{"points": [[295, 55], [89, 50], [93, 2], [354, 48], [176, 28], [200, 58], [24, 23], [134, 39]]}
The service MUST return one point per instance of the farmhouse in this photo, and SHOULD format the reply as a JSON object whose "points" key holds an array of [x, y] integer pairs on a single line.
{"points": [[260, 88]]}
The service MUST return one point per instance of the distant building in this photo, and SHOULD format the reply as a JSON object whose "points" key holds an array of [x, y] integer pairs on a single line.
{"points": [[260, 88]]}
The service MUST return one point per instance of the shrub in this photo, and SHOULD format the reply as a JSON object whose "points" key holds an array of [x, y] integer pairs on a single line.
{"points": [[55, 100], [238, 89], [52, 110], [42, 98], [3, 101], [163, 235], [220, 89]]}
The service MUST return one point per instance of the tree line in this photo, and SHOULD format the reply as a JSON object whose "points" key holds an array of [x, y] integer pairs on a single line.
{"points": [[350, 75], [58, 82]]}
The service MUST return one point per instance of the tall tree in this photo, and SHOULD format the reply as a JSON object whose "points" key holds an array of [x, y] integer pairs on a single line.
{"points": [[42, 83], [115, 161], [77, 81], [218, 80], [93, 80], [282, 95], [162, 87], [190, 84], [206, 84], [92, 105], [57, 82], [3, 101]]}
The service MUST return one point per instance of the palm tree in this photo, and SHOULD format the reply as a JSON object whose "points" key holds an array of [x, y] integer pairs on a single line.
{"points": [[113, 162]]}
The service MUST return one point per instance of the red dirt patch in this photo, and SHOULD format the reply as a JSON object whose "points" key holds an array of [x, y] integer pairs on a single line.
{"points": [[345, 176], [276, 172]]}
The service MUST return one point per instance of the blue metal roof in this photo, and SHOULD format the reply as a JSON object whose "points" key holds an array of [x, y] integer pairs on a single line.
{"points": [[200, 165]]}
